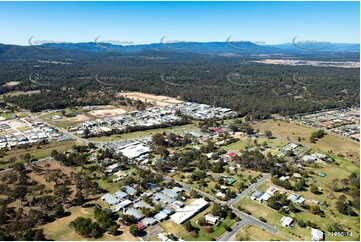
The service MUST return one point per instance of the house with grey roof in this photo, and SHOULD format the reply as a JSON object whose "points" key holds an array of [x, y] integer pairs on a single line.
{"points": [[122, 205], [317, 235], [177, 190], [169, 193], [149, 221], [256, 194], [142, 204], [167, 210], [133, 212], [287, 221], [293, 197], [110, 199], [120, 195], [177, 204], [160, 216], [129, 190], [162, 198]]}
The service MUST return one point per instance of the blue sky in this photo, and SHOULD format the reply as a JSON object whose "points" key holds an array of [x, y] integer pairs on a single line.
{"points": [[148, 22]]}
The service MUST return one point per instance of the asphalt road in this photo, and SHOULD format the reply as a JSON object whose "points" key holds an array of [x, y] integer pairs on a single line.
{"points": [[245, 218]]}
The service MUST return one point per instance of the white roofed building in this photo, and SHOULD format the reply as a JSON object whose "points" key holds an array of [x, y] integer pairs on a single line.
{"points": [[183, 214]]}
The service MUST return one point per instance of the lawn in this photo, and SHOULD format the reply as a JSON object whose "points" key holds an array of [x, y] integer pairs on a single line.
{"points": [[272, 142], [45, 151], [138, 134], [65, 122], [255, 233], [60, 230], [108, 185], [273, 218], [237, 146], [11, 115]]}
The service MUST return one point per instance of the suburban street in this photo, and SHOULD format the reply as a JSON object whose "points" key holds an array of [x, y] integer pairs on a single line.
{"points": [[245, 218]]}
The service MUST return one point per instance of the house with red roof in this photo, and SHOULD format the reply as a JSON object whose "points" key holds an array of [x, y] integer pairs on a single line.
{"points": [[140, 225], [217, 130], [229, 156]]}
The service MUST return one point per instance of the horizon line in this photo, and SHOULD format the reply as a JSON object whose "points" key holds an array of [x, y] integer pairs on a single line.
{"points": [[47, 42]]}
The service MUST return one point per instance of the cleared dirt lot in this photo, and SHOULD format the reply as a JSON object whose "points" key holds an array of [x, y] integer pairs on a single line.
{"points": [[79, 118], [108, 112], [149, 98]]}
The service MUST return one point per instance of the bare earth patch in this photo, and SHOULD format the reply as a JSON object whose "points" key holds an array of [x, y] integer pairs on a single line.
{"points": [[79, 118], [108, 112], [11, 84], [150, 98]]}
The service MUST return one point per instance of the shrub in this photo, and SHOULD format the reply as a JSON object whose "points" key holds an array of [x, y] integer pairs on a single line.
{"points": [[202, 222], [227, 228], [301, 223], [208, 229], [263, 219]]}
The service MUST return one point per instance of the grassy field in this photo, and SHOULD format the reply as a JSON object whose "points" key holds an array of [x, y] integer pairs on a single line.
{"points": [[237, 146], [243, 144], [272, 142], [65, 122], [60, 230], [255, 233], [133, 135], [108, 185], [330, 142], [11, 115], [273, 218], [45, 151]]}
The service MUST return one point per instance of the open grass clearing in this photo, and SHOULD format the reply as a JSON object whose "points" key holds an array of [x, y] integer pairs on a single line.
{"points": [[257, 234], [145, 133], [43, 152], [330, 142], [60, 230]]}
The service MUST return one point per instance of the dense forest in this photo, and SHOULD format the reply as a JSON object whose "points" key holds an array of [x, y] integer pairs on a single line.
{"points": [[233, 81]]}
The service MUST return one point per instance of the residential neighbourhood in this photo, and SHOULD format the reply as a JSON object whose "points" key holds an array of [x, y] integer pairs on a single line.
{"points": [[345, 122], [187, 191], [151, 117], [25, 131], [183, 192]]}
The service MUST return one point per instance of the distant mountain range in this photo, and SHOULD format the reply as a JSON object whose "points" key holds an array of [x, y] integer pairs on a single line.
{"points": [[200, 47], [329, 52]]}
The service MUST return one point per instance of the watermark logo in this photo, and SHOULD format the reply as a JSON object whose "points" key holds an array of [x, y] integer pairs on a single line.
{"points": [[178, 80], [111, 81], [310, 44], [302, 80], [239, 79], [179, 45], [244, 44], [40, 80], [111, 45], [39, 44]]}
